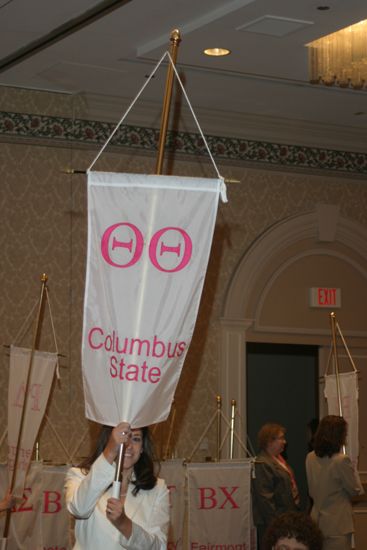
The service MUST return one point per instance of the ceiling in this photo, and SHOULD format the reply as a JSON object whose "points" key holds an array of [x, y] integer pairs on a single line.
{"points": [[104, 50]]}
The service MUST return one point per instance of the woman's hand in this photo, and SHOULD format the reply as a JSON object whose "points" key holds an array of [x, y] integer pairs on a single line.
{"points": [[116, 514], [120, 434]]}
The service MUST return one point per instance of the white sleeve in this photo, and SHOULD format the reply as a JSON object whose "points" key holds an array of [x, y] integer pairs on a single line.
{"points": [[154, 536], [82, 492]]}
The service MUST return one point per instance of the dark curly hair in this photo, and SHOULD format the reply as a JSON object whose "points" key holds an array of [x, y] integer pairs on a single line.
{"points": [[330, 435], [144, 468], [293, 525], [268, 432]]}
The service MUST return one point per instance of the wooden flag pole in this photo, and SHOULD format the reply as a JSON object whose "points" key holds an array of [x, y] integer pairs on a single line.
{"points": [[336, 361], [175, 41], [36, 339], [219, 418], [233, 414]]}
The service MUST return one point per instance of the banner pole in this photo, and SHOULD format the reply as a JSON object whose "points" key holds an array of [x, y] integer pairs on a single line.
{"points": [[175, 41], [233, 413], [336, 361], [36, 339], [219, 418], [116, 486], [172, 423]]}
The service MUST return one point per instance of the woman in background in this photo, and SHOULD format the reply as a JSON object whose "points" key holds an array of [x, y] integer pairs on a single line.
{"points": [[140, 517], [332, 481], [274, 488]]}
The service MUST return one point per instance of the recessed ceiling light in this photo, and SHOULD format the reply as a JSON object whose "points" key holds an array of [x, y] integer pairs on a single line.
{"points": [[217, 52]]}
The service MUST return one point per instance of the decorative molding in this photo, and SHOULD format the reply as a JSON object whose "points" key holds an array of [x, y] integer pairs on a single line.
{"points": [[94, 133], [324, 252], [272, 243]]}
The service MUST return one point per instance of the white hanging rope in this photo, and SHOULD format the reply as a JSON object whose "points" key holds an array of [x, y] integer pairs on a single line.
{"points": [[3, 437], [78, 445], [194, 116], [68, 456], [128, 110], [54, 334], [24, 329], [166, 54]]}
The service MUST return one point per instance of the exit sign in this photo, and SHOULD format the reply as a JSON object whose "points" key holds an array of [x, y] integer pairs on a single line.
{"points": [[321, 296]]}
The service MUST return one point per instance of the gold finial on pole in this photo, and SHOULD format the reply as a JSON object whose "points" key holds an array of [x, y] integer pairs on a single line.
{"points": [[219, 413], [233, 412], [175, 41]]}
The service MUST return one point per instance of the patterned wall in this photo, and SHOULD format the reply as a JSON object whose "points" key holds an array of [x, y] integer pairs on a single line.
{"points": [[43, 229]]}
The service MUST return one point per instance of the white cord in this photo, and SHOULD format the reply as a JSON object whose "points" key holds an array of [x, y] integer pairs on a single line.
{"points": [[21, 334], [54, 335], [194, 116], [128, 110], [137, 97]]}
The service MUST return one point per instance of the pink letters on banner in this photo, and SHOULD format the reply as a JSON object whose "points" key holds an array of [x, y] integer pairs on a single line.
{"points": [[52, 503], [134, 245], [211, 498], [34, 393]]}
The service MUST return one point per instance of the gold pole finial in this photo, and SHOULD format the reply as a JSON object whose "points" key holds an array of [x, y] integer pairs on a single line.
{"points": [[44, 278], [175, 36]]}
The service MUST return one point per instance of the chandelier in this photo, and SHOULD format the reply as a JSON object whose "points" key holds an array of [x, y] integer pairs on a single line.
{"points": [[340, 58]]}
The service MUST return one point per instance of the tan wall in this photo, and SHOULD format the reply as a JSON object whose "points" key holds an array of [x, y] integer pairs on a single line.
{"points": [[43, 229]]}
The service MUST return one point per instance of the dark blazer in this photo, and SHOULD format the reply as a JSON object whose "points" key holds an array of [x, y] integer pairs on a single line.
{"points": [[271, 490], [331, 484]]}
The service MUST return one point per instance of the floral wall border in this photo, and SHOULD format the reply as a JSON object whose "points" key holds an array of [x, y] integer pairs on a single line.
{"points": [[67, 130]]}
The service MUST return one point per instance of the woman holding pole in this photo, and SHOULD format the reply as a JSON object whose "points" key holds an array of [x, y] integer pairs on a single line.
{"points": [[140, 517]]}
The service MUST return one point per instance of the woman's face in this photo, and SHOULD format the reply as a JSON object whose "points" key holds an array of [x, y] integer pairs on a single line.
{"points": [[133, 449], [276, 446]]}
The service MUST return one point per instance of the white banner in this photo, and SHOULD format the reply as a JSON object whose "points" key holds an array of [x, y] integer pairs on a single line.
{"points": [[348, 383], [149, 241], [39, 520], [174, 474], [219, 506], [40, 381]]}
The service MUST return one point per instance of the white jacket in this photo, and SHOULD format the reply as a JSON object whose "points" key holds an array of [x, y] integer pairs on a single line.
{"points": [[86, 499], [332, 482]]}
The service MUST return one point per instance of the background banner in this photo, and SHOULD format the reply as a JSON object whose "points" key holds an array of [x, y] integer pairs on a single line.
{"points": [[149, 240], [174, 474], [40, 382], [39, 520], [348, 383], [219, 506]]}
